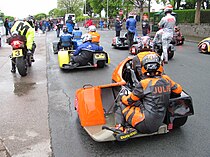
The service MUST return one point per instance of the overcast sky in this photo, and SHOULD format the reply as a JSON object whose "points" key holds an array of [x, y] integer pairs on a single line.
{"points": [[23, 8]]}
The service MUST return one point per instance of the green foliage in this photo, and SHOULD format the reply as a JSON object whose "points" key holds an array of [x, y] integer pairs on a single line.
{"points": [[40, 16], [188, 16], [185, 16], [81, 18], [71, 6], [57, 13], [205, 16], [11, 18]]}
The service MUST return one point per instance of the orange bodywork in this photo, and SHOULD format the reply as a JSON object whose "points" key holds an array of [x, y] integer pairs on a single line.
{"points": [[89, 106], [88, 103], [117, 74]]}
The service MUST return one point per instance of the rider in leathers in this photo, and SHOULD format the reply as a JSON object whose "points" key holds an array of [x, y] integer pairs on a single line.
{"points": [[167, 23], [25, 29], [145, 107], [83, 54]]}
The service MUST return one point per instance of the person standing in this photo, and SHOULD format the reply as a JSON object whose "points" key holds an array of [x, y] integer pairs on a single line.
{"points": [[101, 23], [145, 27], [7, 28], [167, 23], [70, 24], [118, 26], [131, 27]]}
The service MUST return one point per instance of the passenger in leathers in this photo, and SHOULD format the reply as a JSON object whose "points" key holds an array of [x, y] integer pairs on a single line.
{"points": [[95, 35], [77, 34], [83, 54], [65, 39], [24, 29], [167, 23], [145, 107], [131, 27]]}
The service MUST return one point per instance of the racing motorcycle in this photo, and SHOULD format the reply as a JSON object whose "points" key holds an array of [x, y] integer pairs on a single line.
{"points": [[122, 42], [144, 44], [19, 55], [99, 60], [96, 106]]}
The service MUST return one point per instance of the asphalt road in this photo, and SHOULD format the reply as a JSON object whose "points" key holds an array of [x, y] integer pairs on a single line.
{"points": [[37, 116], [189, 68]]}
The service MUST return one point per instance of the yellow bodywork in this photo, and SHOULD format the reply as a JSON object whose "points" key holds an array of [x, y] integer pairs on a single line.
{"points": [[63, 58]]}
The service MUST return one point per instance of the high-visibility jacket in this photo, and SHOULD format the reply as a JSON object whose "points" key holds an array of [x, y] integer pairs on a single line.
{"points": [[25, 29]]}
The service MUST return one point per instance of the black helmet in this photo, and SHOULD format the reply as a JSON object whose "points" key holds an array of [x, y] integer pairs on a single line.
{"points": [[65, 29], [76, 28], [30, 19], [151, 65]]}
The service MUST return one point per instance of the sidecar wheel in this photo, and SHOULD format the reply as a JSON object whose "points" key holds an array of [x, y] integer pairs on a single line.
{"points": [[178, 122], [101, 64]]}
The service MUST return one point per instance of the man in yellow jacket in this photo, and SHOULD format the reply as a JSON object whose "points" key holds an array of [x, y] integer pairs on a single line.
{"points": [[25, 29]]}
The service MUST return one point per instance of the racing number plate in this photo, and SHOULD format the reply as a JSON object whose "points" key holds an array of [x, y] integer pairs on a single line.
{"points": [[100, 56], [17, 53]]}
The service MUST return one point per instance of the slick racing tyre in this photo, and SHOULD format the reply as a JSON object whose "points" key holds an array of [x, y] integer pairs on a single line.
{"points": [[178, 122], [101, 64], [21, 66]]}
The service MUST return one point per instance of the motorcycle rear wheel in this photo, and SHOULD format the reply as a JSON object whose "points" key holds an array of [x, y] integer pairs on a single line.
{"points": [[21, 66]]}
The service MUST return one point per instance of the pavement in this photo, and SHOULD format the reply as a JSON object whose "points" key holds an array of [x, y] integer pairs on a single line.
{"points": [[4, 152]]}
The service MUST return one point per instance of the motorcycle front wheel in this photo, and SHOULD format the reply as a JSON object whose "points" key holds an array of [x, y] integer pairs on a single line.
{"points": [[21, 66]]}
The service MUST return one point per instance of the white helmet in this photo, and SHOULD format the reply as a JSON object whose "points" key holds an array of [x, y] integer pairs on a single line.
{"points": [[86, 37], [168, 9], [92, 28]]}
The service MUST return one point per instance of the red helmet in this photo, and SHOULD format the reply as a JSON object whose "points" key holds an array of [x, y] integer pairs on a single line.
{"points": [[168, 9]]}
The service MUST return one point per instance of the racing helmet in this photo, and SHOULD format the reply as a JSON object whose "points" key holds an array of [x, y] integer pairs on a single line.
{"points": [[176, 29], [15, 33], [92, 28], [86, 37], [168, 9], [30, 20], [76, 28], [65, 29], [151, 65]]}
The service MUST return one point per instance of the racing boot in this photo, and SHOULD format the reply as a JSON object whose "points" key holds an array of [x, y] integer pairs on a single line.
{"points": [[122, 133], [13, 70], [32, 58]]}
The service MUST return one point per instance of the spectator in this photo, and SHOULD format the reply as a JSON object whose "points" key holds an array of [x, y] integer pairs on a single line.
{"points": [[7, 28], [101, 23], [118, 26]]}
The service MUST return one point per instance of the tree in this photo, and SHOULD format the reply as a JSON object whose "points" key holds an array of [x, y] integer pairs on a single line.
{"points": [[40, 16], [71, 6], [198, 12]]}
